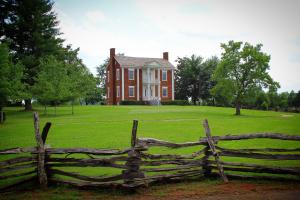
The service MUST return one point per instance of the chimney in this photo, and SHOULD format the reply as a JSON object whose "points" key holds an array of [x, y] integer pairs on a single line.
{"points": [[112, 52], [166, 56]]}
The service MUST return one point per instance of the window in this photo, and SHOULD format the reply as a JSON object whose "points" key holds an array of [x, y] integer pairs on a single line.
{"points": [[131, 91], [118, 74], [165, 91], [107, 76], [131, 74], [164, 75], [108, 92], [118, 91]]}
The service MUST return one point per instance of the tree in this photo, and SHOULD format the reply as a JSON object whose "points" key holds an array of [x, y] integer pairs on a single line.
{"points": [[81, 82], [192, 77], [4, 73], [242, 68], [52, 83], [30, 28], [11, 87], [101, 77]]}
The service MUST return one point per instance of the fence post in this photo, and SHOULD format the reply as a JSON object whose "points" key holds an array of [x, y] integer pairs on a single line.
{"points": [[205, 166], [212, 147], [134, 159], [41, 170]]}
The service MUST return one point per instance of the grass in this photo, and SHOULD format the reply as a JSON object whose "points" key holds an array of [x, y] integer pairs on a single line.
{"points": [[110, 127]]}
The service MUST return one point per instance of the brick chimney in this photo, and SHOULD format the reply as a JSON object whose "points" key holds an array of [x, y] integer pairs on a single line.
{"points": [[166, 56], [113, 74], [112, 52]]}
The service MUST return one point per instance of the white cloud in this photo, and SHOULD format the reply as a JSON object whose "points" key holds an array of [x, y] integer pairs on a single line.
{"points": [[185, 27], [95, 16]]}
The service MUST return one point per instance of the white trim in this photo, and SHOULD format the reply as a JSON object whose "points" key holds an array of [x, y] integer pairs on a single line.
{"points": [[172, 85], [118, 91], [158, 74], [118, 74], [122, 84], [130, 70], [163, 91], [130, 87], [138, 84], [162, 75], [148, 85]]}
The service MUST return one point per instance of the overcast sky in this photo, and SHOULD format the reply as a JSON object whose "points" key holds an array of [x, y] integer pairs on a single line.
{"points": [[147, 28]]}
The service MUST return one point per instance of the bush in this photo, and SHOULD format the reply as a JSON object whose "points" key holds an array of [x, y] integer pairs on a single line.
{"points": [[134, 103], [176, 102]]}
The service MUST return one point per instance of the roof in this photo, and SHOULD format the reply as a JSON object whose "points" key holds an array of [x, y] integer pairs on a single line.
{"points": [[126, 61]]}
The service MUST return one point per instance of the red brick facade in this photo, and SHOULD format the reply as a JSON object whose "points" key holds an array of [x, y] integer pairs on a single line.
{"points": [[115, 93]]}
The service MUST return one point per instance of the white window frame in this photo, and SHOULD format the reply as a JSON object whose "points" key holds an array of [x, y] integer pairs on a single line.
{"points": [[108, 92], [118, 74], [130, 87], [118, 91], [130, 70], [162, 91], [162, 75]]}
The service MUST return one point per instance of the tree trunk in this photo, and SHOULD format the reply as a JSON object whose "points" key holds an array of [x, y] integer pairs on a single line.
{"points": [[72, 107], [45, 111], [28, 105], [238, 109], [55, 109]]}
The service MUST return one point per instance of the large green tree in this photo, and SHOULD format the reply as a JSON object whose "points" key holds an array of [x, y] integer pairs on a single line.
{"points": [[4, 73], [242, 68], [30, 28], [11, 87], [193, 77], [52, 82]]}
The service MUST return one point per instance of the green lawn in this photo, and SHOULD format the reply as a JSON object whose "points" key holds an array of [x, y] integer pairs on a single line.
{"points": [[110, 127]]}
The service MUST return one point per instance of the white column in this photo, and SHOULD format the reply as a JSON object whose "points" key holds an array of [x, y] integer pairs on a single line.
{"points": [[138, 84], [172, 84], [148, 84], [154, 83], [158, 74], [122, 84]]}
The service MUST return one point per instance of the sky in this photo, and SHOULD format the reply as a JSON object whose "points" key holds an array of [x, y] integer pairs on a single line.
{"points": [[147, 28]]}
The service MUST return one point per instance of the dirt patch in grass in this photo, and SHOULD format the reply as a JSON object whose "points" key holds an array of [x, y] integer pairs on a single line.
{"points": [[214, 190]]}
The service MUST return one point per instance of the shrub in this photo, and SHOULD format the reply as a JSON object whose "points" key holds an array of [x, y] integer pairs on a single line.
{"points": [[176, 102], [134, 103]]}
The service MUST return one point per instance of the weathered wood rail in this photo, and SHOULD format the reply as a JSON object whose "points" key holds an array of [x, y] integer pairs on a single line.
{"points": [[135, 166]]}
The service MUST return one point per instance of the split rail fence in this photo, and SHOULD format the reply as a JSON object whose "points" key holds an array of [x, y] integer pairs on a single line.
{"points": [[136, 166]]}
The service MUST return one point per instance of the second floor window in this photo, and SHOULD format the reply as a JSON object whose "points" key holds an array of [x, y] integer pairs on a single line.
{"points": [[131, 74], [164, 75], [118, 74]]}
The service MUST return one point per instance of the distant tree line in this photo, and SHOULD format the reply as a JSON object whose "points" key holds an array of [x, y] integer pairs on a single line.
{"points": [[238, 79], [34, 64]]}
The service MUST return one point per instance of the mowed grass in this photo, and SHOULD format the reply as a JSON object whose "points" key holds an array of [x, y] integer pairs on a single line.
{"points": [[110, 127]]}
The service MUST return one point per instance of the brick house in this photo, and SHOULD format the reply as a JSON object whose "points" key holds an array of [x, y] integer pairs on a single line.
{"points": [[139, 79]]}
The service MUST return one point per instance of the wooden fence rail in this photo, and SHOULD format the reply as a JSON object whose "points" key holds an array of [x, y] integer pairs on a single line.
{"points": [[135, 166]]}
